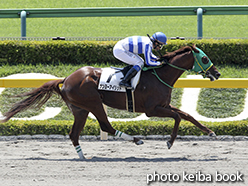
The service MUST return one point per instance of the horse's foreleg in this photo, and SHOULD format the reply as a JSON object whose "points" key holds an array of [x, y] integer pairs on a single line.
{"points": [[167, 112], [101, 116], [127, 137], [80, 117], [188, 117]]}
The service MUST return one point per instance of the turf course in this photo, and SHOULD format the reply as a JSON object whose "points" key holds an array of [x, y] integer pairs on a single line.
{"points": [[186, 26]]}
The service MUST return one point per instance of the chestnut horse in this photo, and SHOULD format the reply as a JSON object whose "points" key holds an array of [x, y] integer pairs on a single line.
{"points": [[152, 94]]}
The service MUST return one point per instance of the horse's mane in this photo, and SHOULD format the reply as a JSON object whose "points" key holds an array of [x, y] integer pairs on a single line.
{"points": [[182, 50]]}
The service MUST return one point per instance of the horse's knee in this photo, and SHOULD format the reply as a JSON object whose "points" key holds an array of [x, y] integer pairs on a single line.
{"points": [[177, 118]]}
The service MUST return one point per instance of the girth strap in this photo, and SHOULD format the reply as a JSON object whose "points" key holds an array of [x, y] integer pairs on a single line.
{"points": [[130, 100]]}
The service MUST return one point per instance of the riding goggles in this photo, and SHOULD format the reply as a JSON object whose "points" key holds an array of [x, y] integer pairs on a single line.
{"points": [[160, 45]]}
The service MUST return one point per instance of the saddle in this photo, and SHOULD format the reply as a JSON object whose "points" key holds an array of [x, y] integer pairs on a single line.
{"points": [[111, 77], [109, 81]]}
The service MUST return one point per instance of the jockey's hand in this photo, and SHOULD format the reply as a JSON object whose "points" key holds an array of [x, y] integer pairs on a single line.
{"points": [[160, 59], [164, 62]]}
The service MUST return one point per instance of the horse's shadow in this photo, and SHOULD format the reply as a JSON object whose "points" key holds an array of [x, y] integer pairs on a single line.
{"points": [[131, 159]]}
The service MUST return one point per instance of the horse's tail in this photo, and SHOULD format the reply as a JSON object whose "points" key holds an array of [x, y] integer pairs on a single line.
{"points": [[35, 99]]}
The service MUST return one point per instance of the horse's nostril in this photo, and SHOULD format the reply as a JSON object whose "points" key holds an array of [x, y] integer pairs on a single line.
{"points": [[217, 75]]}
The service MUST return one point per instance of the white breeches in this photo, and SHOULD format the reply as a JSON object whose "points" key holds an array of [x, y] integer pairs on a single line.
{"points": [[126, 56]]}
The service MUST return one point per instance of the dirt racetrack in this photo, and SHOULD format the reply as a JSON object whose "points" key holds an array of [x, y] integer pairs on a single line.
{"points": [[112, 163]]}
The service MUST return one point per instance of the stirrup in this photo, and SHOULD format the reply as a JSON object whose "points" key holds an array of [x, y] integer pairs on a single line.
{"points": [[125, 84]]}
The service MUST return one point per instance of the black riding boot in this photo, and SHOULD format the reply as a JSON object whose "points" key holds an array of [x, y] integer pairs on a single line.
{"points": [[130, 74]]}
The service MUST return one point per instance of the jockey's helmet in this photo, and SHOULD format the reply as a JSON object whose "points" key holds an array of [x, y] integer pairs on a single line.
{"points": [[159, 36]]}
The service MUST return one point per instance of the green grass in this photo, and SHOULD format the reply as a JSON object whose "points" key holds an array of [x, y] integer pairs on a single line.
{"points": [[213, 26], [233, 71], [10, 4], [221, 103], [59, 70]]}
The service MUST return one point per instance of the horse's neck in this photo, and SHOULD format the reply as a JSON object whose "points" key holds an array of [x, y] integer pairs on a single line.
{"points": [[185, 61], [182, 59], [169, 74]]}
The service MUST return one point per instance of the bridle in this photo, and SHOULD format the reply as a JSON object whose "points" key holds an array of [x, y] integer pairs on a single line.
{"points": [[199, 67]]}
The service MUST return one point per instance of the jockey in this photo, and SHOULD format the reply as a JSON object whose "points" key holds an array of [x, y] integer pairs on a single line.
{"points": [[128, 50]]}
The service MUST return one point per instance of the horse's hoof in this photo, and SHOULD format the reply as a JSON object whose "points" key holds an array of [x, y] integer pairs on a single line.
{"points": [[140, 142], [169, 145], [212, 134], [82, 158], [137, 141]]}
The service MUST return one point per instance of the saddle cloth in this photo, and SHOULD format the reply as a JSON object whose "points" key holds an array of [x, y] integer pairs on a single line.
{"points": [[111, 77]]}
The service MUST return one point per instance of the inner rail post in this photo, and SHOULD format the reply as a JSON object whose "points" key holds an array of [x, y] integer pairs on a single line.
{"points": [[199, 22], [23, 16]]}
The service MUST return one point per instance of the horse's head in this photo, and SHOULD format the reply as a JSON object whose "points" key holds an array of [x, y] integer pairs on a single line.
{"points": [[203, 65]]}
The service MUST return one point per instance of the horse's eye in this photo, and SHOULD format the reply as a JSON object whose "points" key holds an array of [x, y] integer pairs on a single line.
{"points": [[205, 60]]}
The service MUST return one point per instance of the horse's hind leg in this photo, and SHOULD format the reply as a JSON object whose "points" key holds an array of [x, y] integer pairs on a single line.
{"points": [[80, 116], [101, 116], [188, 117]]}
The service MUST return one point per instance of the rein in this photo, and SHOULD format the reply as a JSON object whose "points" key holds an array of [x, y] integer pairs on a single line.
{"points": [[155, 73], [176, 67], [196, 65]]}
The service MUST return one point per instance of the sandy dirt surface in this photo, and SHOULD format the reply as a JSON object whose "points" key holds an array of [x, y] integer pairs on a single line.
{"points": [[111, 163]]}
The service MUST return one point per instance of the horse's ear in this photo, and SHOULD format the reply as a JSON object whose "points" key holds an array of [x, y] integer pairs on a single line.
{"points": [[194, 48]]}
